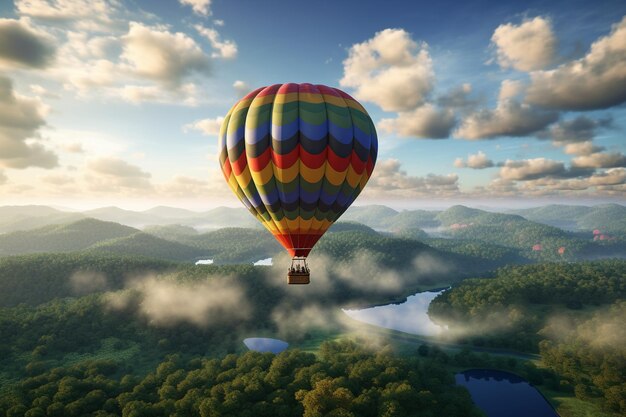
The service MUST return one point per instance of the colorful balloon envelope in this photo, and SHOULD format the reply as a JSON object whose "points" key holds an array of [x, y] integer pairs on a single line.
{"points": [[297, 156]]}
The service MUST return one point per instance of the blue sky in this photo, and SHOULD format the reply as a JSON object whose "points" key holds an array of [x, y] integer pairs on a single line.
{"points": [[482, 103]]}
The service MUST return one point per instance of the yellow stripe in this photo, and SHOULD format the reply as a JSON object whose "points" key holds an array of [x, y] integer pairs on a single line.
{"points": [[285, 98], [287, 175], [262, 100], [311, 175], [263, 176], [335, 177], [311, 98]]}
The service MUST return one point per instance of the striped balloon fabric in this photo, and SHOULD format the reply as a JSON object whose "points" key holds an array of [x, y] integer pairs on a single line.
{"points": [[297, 156]]}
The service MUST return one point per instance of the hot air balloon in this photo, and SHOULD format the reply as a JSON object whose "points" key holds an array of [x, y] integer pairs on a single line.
{"points": [[297, 156]]}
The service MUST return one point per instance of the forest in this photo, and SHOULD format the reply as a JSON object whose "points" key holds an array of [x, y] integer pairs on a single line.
{"points": [[573, 314], [92, 322]]}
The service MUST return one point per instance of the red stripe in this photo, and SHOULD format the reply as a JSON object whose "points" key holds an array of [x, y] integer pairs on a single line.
{"points": [[268, 91], [240, 164], [328, 91], [338, 163], [227, 169], [288, 88], [302, 242], [357, 164], [250, 95], [261, 161], [312, 160], [287, 160]]}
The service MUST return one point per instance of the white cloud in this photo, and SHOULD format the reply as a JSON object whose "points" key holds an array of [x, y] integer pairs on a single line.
{"points": [[528, 46], [580, 129], [43, 92], [20, 120], [530, 169], [457, 97], [390, 180], [208, 127], [223, 49], [390, 70], [110, 174], [600, 160], [475, 161], [22, 45], [157, 54], [596, 81], [510, 89], [241, 87], [201, 7], [426, 121], [83, 14], [582, 148], [509, 118], [3, 178]]}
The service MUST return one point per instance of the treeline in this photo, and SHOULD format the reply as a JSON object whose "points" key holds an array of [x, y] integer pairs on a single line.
{"points": [[35, 279], [344, 380]]}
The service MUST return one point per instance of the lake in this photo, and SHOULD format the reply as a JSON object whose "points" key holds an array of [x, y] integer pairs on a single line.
{"points": [[265, 344], [204, 262], [409, 317], [263, 262], [503, 394]]}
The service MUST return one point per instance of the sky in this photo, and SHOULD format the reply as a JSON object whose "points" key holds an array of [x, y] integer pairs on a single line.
{"points": [[118, 102]]}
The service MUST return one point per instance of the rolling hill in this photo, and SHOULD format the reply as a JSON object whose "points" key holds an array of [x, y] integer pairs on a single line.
{"points": [[68, 237], [16, 218]]}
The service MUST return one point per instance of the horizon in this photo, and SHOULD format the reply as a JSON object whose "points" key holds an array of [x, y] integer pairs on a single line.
{"points": [[397, 207]]}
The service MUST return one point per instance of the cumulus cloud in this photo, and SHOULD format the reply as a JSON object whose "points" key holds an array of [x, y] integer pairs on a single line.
{"points": [[20, 120], [596, 81], [530, 169], [392, 181], [21, 45], [582, 148], [110, 173], [509, 118], [426, 121], [390, 70], [226, 49], [155, 53], [83, 14], [579, 129], [528, 46], [3, 177], [241, 88], [510, 89], [600, 160], [42, 92], [457, 97], [201, 7], [208, 127], [475, 161]]}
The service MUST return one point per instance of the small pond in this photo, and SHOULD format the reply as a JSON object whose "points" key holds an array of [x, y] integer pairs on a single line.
{"points": [[264, 262], [265, 344], [503, 394], [204, 262], [409, 317]]}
